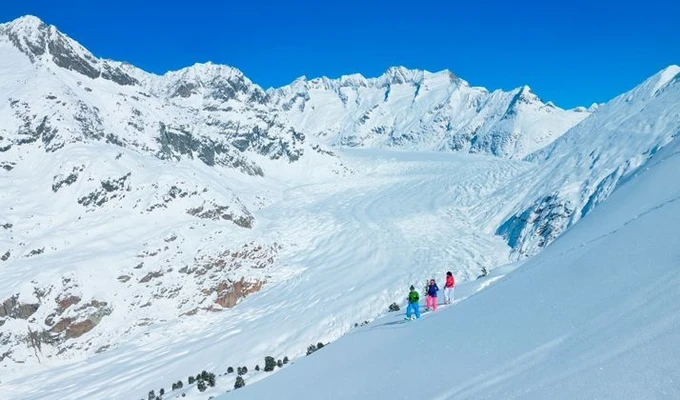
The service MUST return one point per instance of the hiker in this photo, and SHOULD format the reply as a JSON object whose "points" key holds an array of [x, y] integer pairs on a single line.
{"points": [[448, 288], [432, 290], [413, 306]]}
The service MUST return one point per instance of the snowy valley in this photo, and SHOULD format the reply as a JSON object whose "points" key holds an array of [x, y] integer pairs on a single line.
{"points": [[152, 227]]}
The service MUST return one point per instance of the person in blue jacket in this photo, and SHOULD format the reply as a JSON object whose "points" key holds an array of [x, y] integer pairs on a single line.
{"points": [[432, 290]]}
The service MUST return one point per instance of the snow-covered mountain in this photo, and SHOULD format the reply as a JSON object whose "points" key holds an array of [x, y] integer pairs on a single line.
{"points": [[421, 110], [118, 201], [59, 93], [584, 166], [154, 226]]}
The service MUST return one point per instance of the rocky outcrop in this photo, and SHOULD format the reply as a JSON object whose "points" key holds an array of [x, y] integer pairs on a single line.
{"points": [[12, 308], [537, 226], [60, 180], [88, 316], [229, 293], [67, 302], [110, 189], [217, 212]]}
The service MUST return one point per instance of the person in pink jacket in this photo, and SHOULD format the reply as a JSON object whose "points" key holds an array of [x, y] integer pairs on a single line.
{"points": [[448, 288]]}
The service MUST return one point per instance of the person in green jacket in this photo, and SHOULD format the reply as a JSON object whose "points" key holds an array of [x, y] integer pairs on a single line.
{"points": [[413, 306]]}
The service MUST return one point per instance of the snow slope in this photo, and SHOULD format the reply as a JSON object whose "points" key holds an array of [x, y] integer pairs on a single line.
{"points": [[348, 247], [581, 168], [592, 316]]}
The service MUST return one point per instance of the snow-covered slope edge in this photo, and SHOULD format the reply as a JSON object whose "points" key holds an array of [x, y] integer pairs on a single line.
{"points": [[594, 315], [587, 163]]}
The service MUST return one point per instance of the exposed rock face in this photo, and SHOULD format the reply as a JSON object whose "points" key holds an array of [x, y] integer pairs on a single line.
{"points": [[217, 212], [110, 189], [538, 225], [229, 293], [89, 315], [148, 277], [13, 309], [67, 302]]}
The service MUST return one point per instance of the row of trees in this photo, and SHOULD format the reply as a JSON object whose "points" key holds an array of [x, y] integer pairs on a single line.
{"points": [[206, 379]]}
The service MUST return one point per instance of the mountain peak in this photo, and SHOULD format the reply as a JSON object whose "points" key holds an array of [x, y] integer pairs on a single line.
{"points": [[665, 76], [29, 34], [401, 74], [43, 43], [27, 21], [207, 70]]}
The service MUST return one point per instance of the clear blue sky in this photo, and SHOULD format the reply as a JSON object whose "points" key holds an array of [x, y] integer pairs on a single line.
{"points": [[572, 52]]}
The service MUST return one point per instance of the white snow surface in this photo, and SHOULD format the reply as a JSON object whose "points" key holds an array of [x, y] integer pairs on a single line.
{"points": [[595, 315], [138, 203], [349, 247]]}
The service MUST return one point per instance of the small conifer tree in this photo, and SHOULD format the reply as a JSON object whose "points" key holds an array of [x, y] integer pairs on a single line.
{"points": [[311, 349], [239, 383], [269, 364]]}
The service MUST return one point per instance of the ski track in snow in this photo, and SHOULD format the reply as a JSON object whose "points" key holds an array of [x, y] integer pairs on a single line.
{"points": [[352, 246]]}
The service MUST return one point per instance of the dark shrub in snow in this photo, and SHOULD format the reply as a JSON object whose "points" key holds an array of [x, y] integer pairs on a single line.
{"points": [[269, 364], [239, 383]]}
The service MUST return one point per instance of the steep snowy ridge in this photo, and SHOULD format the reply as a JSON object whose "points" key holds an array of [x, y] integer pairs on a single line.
{"points": [[42, 44], [415, 109], [586, 164]]}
